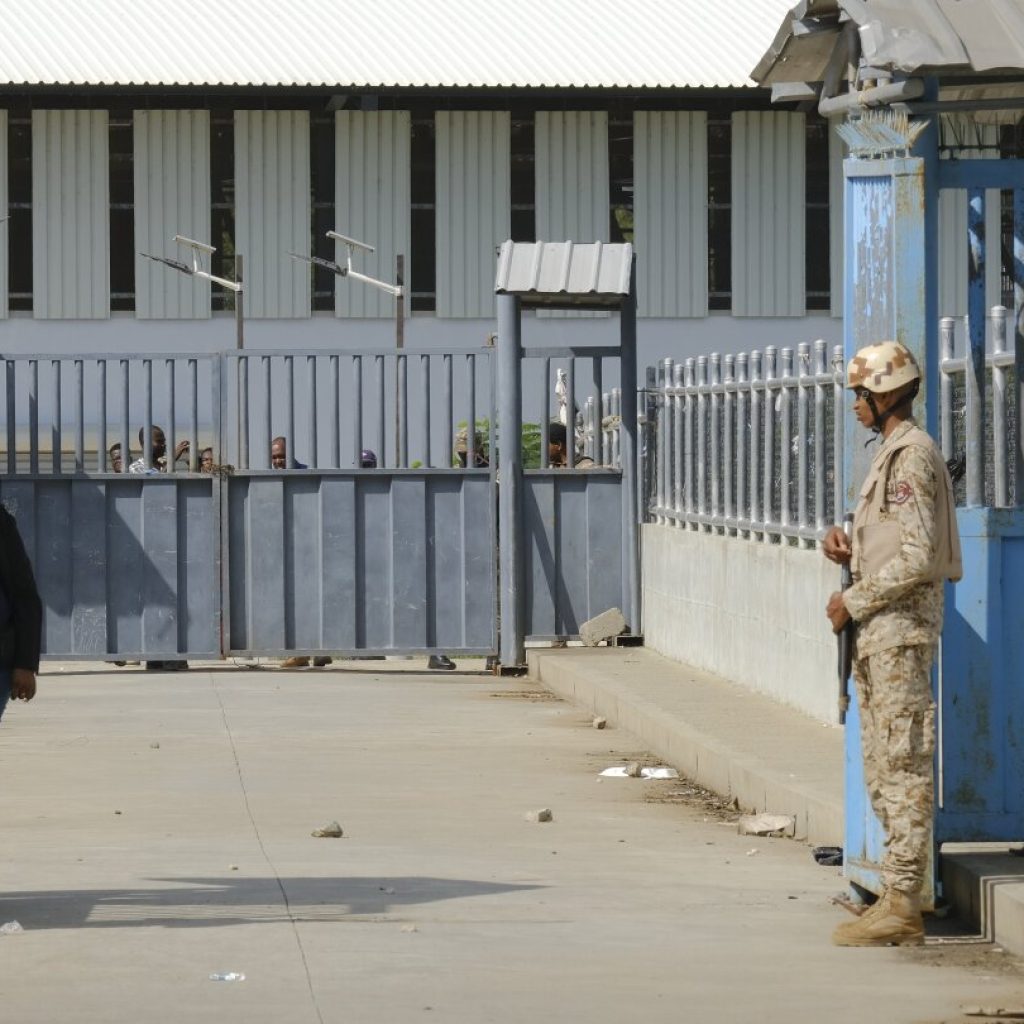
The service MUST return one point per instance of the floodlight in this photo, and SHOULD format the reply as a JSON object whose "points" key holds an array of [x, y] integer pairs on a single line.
{"points": [[350, 242], [168, 261], [345, 270]]}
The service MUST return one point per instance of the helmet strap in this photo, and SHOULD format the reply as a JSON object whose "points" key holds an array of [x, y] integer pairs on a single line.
{"points": [[878, 419]]}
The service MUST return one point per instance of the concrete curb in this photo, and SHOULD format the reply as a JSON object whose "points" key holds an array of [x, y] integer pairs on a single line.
{"points": [[737, 743], [986, 885]]}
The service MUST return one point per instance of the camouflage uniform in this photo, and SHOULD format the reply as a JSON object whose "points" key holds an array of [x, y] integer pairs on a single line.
{"points": [[898, 610]]}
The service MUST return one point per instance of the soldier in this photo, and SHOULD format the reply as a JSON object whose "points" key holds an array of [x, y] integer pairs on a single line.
{"points": [[905, 545]]}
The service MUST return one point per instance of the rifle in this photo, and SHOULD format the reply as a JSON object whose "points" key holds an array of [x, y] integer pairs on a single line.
{"points": [[846, 634]]}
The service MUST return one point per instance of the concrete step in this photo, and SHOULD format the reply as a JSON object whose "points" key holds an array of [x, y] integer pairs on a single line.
{"points": [[735, 742], [768, 757]]}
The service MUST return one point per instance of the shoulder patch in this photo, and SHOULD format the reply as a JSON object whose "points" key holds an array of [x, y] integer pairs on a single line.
{"points": [[900, 492]]}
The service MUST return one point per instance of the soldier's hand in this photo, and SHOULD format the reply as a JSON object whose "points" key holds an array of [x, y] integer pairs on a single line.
{"points": [[836, 547], [837, 613]]}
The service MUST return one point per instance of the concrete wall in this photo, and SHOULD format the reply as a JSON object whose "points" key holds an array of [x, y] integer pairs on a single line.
{"points": [[752, 613]]}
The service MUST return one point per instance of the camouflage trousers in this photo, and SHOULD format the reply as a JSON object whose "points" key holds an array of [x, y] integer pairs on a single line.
{"points": [[897, 716]]}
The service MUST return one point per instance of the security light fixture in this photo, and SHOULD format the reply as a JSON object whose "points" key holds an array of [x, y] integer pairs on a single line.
{"points": [[351, 244], [196, 270]]}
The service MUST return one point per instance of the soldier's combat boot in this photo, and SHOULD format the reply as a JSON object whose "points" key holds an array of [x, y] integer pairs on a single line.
{"points": [[895, 920]]}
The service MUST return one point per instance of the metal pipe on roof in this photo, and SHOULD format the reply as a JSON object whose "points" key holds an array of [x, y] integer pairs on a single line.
{"points": [[880, 95]]}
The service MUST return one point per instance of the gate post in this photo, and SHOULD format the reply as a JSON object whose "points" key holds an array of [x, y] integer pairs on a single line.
{"points": [[512, 650], [628, 449]]}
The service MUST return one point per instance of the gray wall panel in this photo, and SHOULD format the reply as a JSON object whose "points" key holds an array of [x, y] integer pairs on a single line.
{"points": [[5, 247], [125, 566], [158, 506], [375, 558], [479, 555], [340, 562], [198, 583], [573, 549], [172, 197], [372, 200], [670, 153], [768, 213], [304, 565], [70, 214], [264, 595], [53, 555], [412, 561], [88, 567]]}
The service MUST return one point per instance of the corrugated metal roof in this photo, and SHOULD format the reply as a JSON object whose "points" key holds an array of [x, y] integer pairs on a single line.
{"points": [[912, 36], [386, 43], [565, 273]]}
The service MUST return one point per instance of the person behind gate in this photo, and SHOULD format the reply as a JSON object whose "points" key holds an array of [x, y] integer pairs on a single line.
{"points": [[905, 545]]}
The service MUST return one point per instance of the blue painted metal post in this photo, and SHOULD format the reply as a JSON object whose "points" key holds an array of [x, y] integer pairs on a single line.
{"points": [[510, 469], [630, 505]]}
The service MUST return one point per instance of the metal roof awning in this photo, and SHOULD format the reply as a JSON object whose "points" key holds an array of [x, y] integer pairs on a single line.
{"points": [[565, 275], [910, 36]]}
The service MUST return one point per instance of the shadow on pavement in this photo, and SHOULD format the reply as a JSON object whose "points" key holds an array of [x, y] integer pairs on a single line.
{"points": [[198, 902]]}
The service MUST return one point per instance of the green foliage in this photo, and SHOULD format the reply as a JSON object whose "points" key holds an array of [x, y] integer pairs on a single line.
{"points": [[530, 440]]}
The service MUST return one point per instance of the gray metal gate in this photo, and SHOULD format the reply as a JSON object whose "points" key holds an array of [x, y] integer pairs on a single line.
{"points": [[321, 556]]}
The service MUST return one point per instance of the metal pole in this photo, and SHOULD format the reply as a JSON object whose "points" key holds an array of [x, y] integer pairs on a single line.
{"points": [[630, 505], [513, 647], [946, 329], [1018, 342], [997, 328], [975, 362], [239, 305], [399, 344]]}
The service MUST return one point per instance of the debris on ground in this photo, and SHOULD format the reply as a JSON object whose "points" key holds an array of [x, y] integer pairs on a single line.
{"points": [[994, 1012], [599, 723], [10, 928], [409, 928], [635, 771], [154, 746], [544, 814], [605, 626], [753, 852], [331, 831], [768, 825], [828, 856], [843, 900], [228, 976]]}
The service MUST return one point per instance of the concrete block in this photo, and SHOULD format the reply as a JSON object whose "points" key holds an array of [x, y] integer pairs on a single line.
{"points": [[605, 626]]}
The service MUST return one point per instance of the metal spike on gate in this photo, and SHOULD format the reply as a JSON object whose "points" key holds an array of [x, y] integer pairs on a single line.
{"points": [[881, 133]]}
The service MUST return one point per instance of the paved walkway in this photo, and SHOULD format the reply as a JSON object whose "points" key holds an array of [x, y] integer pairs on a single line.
{"points": [[157, 830]]}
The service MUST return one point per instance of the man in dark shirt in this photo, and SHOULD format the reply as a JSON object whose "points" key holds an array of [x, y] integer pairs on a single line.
{"points": [[21, 617]]}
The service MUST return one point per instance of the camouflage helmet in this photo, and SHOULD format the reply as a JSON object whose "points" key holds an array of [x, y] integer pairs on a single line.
{"points": [[882, 367]]}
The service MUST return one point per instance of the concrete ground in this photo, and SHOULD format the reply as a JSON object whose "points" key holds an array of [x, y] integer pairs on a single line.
{"points": [[156, 829]]}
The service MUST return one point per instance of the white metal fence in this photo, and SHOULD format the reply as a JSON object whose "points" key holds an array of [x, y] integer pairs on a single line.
{"points": [[747, 444], [751, 444]]}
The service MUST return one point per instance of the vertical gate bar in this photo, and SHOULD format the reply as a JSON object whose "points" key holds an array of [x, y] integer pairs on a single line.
{"points": [[172, 419], [1018, 343], [56, 419], [357, 414], [471, 416], [266, 401], [668, 481], [606, 437], [403, 411], [716, 437], [997, 330], [425, 409], [12, 422], [598, 412], [946, 437], [768, 496], [242, 418], [614, 439], [975, 363], [101, 382], [663, 442], [448, 416], [588, 428], [382, 455], [570, 413], [510, 493], [33, 416], [193, 418], [755, 442], [545, 424], [689, 438], [702, 436], [728, 465], [79, 416], [675, 443], [311, 419], [802, 424], [838, 434], [126, 448], [335, 388], [147, 415], [630, 479], [220, 500], [820, 369], [651, 441], [289, 408], [785, 438], [742, 412]]}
